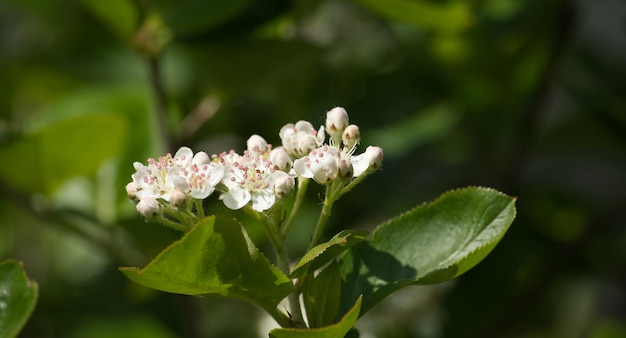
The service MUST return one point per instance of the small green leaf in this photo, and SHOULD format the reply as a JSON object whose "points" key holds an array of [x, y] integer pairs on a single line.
{"points": [[18, 297], [215, 258], [337, 330], [325, 252], [432, 243], [321, 296]]}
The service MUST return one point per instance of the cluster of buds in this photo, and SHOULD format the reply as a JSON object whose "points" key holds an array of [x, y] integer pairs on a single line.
{"points": [[258, 178], [336, 159]]}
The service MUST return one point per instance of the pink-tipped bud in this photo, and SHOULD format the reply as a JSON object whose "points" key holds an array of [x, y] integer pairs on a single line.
{"points": [[306, 144], [200, 159], [177, 198], [345, 169], [336, 122], [375, 157], [283, 184], [351, 136], [132, 189], [256, 144], [280, 159], [149, 207]]}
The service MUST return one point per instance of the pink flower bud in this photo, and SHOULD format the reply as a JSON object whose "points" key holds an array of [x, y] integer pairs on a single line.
{"points": [[280, 159], [178, 198], [336, 122], [256, 144], [131, 189], [200, 159], [345, 169], [351, 136], [283, 184], [306, 144], [149, 207]]}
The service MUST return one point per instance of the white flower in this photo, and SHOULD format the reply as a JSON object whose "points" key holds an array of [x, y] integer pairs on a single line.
{"points": [[371, 159], [322, 164], [251, 179], [301, 138], [195, 175]]}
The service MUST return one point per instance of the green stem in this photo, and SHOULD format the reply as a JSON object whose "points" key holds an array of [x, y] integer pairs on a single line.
{"points": [[273, 232], [199, 208], [353, 183], [302, 185], [170, 223], [329, 200]]}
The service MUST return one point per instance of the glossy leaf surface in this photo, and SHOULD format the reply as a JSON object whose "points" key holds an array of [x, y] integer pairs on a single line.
{"points": [[337, 330], [18, 297], [215, 258], [432, 243]]}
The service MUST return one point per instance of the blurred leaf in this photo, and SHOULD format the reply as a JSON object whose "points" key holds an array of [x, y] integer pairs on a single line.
{"points": [[449, 17], [401, 138], [53, 154], [119, 15], [432, 243], [215, 258], [195, 16], [321, 296], [337, 330], [325, 252], [18, 297], [127, 327]]}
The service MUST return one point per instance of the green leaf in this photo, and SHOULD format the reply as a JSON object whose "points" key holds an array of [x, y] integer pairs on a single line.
{"points": [[321, 296], [337, 330], [215, 258], [325, 252], [449, 17], [55, 153], [193, 16], [432, 243], [18, 297]]}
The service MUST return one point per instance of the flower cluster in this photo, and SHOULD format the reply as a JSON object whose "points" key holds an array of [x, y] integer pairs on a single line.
{"points": [[258, 178]]}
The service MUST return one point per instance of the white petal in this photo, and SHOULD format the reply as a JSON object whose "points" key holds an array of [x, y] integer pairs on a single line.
{"points": [[262, 201], [301, 169], [236, 199]]}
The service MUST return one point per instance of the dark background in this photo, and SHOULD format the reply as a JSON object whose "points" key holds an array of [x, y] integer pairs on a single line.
{"points": [[527, 97]]}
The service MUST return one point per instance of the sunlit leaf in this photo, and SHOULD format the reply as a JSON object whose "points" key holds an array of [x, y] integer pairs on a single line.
{"points": [[18, 297], [325, 252], [432, 243], [215, 258], [337, 330]]}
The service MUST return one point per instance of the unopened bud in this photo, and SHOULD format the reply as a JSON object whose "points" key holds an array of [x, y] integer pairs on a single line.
{"points": [[200, 159], [351, 136], [149, 207], [306, 144], [283, 184], [375, 156], [131, 189], [177, 198], [256, 144], [280, 159], [336, 122], [345, 169]]}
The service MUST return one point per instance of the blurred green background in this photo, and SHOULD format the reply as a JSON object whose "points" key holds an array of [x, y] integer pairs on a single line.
{"points": [[528, 97]]}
